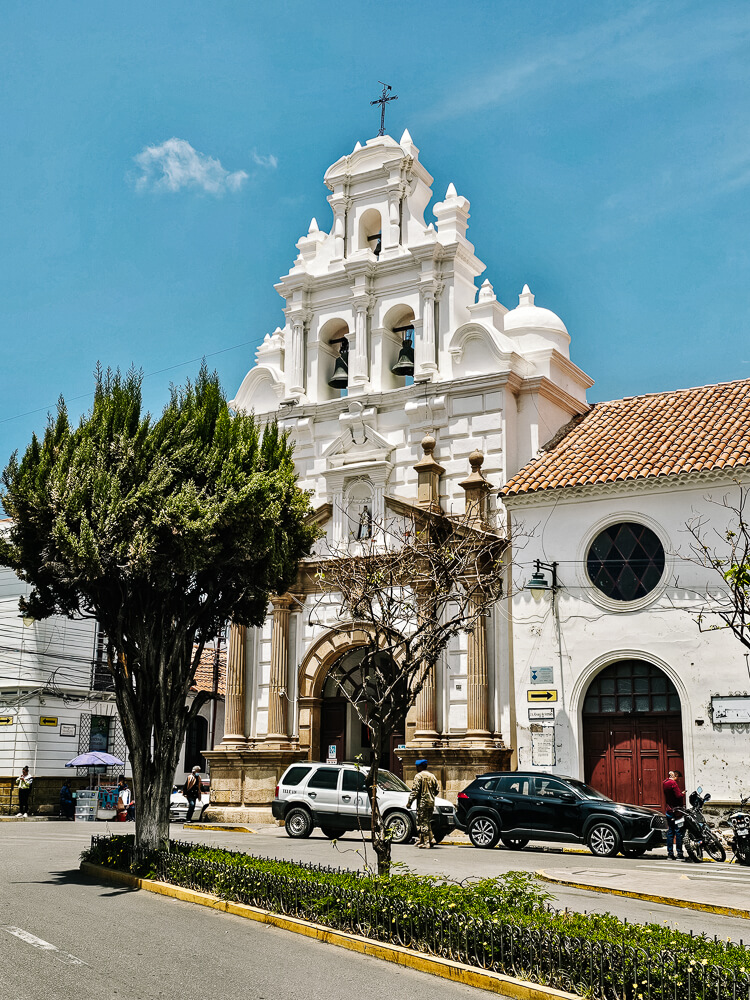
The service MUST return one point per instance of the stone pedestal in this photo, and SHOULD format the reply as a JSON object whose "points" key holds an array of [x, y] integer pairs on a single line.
{"points": [[455, 766], [243, 782]]}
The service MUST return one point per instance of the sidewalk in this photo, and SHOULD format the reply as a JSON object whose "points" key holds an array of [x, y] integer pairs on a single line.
{"points": [[713, 888]]}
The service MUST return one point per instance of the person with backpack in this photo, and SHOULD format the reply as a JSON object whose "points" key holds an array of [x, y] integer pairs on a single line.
{"points": [[192, 791]]}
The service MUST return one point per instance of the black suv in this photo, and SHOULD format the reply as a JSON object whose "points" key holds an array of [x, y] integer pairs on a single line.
{"points": [[518, 806]]}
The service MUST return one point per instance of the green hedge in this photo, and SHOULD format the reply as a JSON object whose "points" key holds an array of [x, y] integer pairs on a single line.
{"points": [[504, 923]]}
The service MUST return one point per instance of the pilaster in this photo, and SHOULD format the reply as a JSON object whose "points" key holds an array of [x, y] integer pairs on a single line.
{"points": [[234, 726]]}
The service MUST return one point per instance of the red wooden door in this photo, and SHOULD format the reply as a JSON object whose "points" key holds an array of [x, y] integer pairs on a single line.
{"points": [[632, 733]]}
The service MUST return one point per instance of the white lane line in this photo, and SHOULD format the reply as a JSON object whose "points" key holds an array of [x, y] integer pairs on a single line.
{"points": [[37, 942]]}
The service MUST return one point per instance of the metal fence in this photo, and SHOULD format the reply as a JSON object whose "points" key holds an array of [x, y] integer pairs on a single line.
{"points": [[589, 968]]}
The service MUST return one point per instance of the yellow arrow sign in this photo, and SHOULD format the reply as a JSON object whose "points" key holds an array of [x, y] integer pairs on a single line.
{"points": [[542, 695], [48, 720], [6, 720]]}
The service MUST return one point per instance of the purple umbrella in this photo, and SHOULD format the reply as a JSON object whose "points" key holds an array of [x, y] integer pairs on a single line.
{"points": [[95, 758]]}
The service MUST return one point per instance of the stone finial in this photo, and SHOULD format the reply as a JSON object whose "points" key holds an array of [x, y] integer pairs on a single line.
{"points": [[428, 476], [476, 489], [451, 192], [526, 298], [486, 292], [357, 147], [406, 139], [313, 226], [428, 445]]}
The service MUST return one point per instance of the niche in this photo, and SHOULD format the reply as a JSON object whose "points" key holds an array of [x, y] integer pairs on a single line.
{"points": [[370, 231]]}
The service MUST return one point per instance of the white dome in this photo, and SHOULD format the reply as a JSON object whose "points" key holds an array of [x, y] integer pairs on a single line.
{"points": [[527, 316]]}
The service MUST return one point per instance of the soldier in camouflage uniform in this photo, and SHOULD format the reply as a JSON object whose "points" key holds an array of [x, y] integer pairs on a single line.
{"points": [[423, 790]]}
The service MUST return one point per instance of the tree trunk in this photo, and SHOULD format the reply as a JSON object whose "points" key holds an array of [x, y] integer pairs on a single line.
{"points": [[381, 843], [152, 786]]}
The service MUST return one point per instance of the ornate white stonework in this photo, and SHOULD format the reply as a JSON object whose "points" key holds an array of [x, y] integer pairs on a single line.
{"points": [[484, 378]]}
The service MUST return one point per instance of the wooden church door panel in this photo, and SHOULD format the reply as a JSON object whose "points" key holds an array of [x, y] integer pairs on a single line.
{"points": [[622, 748], [596, 756], [651, 762], [333, 728]]}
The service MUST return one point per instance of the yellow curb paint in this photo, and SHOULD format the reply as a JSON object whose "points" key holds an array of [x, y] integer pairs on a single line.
{"points": [[443, 967], [221, 829], [685, 904]]}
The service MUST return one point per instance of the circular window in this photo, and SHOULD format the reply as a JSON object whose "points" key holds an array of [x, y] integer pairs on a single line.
{"points": [[625, 561]]}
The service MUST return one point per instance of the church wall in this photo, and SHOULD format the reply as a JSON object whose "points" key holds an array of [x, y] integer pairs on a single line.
{"points": [[660, 628]]}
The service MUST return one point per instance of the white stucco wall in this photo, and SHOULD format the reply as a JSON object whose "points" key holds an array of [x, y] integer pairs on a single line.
{"points": [[660, 628]]}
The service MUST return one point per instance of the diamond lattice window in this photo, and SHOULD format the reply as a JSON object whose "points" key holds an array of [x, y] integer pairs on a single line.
{"points": [[625, 561]]}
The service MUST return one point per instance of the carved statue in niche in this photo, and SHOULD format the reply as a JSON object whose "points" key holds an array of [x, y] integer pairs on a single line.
{"points": [[359, 499]]}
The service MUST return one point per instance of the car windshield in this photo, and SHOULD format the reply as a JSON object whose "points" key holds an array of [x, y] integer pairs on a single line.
{"points": [[390, 783], [587, 791]]}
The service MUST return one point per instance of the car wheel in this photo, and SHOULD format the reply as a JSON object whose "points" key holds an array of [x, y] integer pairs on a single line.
{"points": [[633, 852], [483, 832], [515, 843], [329, 832], [603, 840], [298, 823], [399, 827]]}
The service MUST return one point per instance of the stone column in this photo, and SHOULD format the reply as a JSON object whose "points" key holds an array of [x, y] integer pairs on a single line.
{"points": [[234, 727], [358, 361], [426, 365], [278, 693], [426, 703], [296, 383], [478, 686]]}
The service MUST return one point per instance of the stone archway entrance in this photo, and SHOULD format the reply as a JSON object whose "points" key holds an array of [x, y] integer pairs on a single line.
{"points": [[632, 732], [343, 735]]}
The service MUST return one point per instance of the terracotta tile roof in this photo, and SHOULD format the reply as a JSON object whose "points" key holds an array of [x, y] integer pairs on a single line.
{"points": [[637, 437], [204, 675]]}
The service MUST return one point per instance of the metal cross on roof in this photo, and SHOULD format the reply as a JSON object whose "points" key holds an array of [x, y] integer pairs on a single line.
{"points": [[382, 101]]}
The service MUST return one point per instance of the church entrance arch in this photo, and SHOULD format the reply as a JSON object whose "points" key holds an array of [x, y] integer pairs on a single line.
{"points": [[343, 735], [632, 732]]}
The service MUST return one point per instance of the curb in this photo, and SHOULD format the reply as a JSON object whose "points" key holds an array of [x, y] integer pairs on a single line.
{"points": [[685, 904], [495, 982], [220, 829]]}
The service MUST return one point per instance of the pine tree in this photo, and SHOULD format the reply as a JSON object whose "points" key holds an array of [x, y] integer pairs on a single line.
{"points": [[162, 531]]}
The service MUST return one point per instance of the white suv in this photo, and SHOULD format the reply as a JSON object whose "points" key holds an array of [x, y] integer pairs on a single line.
{"points": [[335, 798]]}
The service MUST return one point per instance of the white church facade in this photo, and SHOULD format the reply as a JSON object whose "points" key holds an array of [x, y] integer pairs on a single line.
{"points": [[396, 292], [394, 365]]}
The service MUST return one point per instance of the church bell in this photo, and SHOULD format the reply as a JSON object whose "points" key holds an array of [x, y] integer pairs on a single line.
{"points": [[405, 361], [340, 377]]}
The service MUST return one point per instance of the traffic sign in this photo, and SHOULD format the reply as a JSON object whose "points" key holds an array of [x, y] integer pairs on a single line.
{"points": [[48, 720], [6, 720], [543, 695]]}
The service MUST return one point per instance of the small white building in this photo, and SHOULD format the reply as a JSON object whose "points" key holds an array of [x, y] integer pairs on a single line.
{"points": [[56, 701], [614, 681]]}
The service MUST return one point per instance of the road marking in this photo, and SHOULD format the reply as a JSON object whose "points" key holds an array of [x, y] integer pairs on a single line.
{"points": [[37, 942]]}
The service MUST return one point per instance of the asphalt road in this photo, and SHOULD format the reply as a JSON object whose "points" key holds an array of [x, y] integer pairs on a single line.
{"points": [[63, 937]]}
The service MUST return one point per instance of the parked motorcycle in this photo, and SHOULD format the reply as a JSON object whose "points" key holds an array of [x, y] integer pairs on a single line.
{"points": [[697, 836], [740, 823]]}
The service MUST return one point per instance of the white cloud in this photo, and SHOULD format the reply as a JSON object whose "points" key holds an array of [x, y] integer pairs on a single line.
{"points": [[270, 161], [647, 49], [175, 165]]}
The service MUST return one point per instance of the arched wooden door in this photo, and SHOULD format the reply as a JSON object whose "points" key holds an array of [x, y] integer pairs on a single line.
{"points": [[632, 732]]}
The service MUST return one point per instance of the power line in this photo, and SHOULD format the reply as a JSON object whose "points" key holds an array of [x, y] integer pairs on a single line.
{"points": [[160, 371]]}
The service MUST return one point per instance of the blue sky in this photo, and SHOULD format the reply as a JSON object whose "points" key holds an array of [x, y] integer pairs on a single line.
{"points": [[605, 149]]}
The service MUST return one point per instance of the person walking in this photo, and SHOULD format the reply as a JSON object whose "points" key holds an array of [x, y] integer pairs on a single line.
{"points": [[424, 790], [192, 791], [674, 798], [23, 782], [67, 805]]}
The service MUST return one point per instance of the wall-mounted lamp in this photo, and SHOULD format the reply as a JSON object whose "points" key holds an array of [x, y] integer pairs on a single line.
{"points": [[539, 584]]}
